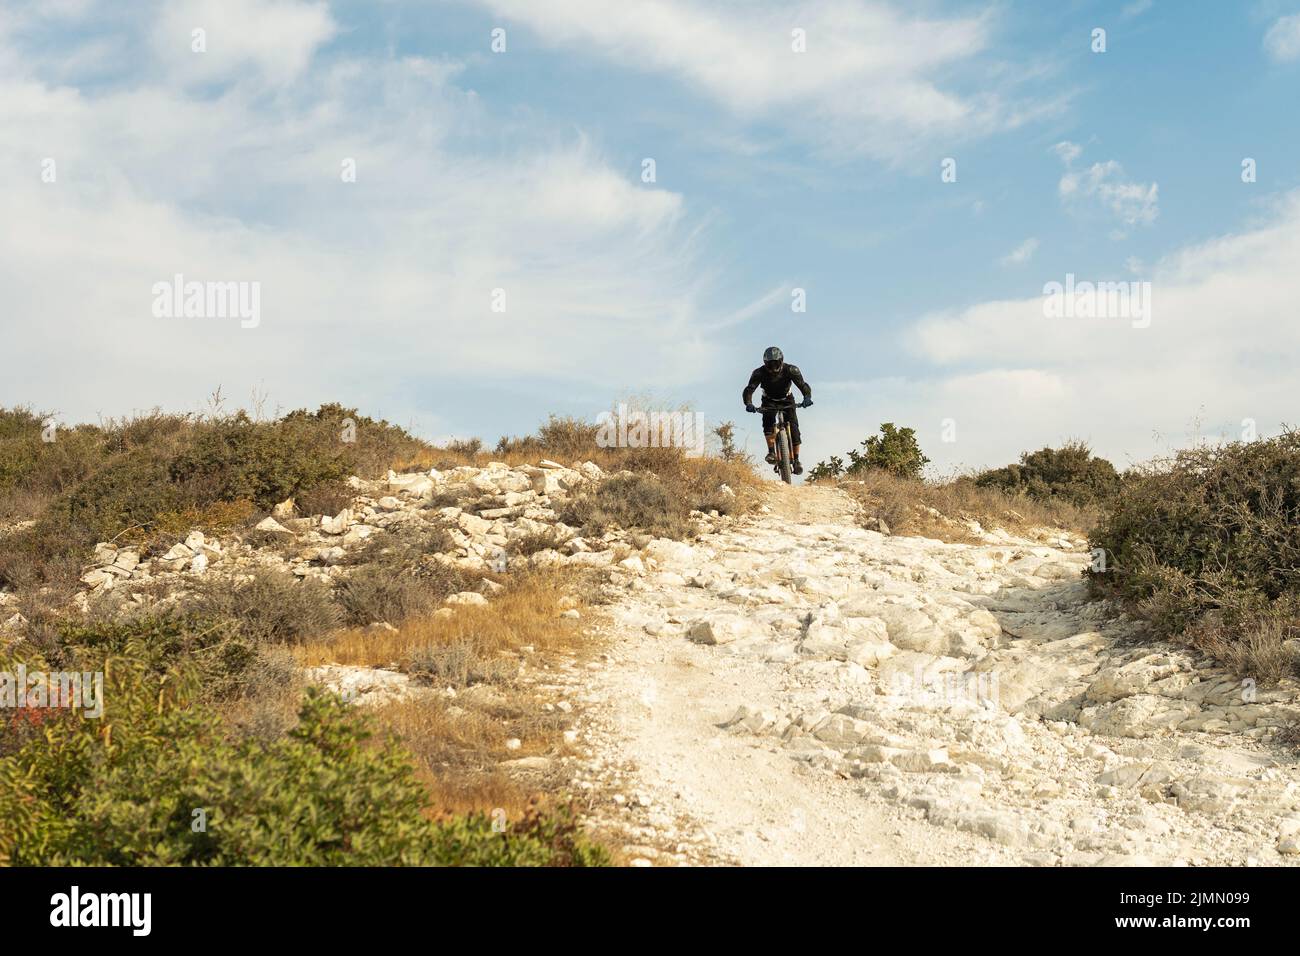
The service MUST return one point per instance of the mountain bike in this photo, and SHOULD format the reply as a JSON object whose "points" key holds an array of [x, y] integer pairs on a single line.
{"points": [[783, 443]]}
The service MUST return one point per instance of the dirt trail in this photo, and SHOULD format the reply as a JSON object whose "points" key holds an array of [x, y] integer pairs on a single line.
{"points": [[798, 690]]}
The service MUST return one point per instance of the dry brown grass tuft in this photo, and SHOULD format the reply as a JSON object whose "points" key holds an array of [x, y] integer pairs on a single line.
{"points": [[215, 518], [527, 613], [1253, 645], [460, 741], [943, 510]]}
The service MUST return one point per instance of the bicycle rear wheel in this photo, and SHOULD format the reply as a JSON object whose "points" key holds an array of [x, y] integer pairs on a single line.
{"points": [[783, 455]]}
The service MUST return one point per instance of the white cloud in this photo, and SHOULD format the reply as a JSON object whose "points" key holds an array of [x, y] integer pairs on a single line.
{"points": [[1011, 377], [376, 292], [1282, 41], [869, 83], [1021, 253], [1105, 187], [275, 38], [1067, 151], [1135, 9]]}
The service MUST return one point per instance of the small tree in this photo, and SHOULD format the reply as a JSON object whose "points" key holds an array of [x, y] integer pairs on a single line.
{"points": [[824, 470], [894, 450], [726, 433]]}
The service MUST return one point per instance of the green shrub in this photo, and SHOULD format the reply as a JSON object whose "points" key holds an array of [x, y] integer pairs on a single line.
{"points": [[895, 451], [538, 840], [124, 790], [236, 458], [1215, 529], [128, 491], [1070, 472], [318, 797], [221, 657]]}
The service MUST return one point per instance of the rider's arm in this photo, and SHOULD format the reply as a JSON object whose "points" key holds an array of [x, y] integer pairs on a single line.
{"points": [[748, 394], [796, 376]]}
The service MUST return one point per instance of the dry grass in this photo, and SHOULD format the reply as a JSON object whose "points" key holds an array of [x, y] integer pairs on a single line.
{"points": [[944, 509], [527, 613], [460, 741], [215, 518], [692, 479], [1253, 646]]}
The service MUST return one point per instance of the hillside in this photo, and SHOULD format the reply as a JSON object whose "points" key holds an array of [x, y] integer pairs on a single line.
{"points": [[797, 690], [775, 686]]}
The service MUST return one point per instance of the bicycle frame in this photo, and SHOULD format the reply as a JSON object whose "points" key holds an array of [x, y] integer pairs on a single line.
{"points": [[783, 444]]}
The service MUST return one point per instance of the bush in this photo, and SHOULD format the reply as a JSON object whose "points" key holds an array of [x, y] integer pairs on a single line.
{"points": [[1215, 529], [50, 553], [322, 795], [274, 606], [1070, 472], [564, 437], [631, 502], [538, 840], [545, 539], [225, 663], [138, 480], [894, 451], [326, 498], [389, 592], [236, 458]]}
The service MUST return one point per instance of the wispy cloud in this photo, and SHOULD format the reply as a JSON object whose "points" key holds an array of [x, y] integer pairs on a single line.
{"points": [[366, 286], [1282, 41], [1104, 186], [876, 79], [1021, 253], [272, 39], [769, 300], [1135, 9], [1004, 368]]}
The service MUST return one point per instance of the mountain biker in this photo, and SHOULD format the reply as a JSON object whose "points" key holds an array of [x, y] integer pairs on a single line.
{"points": [[775, 376]]}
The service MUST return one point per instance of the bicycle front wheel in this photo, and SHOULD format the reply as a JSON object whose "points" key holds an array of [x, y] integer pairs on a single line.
{"points": [[783, 456]]}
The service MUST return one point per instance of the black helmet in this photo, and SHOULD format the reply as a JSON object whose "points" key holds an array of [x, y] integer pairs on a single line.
{"points": [[773, 358]]}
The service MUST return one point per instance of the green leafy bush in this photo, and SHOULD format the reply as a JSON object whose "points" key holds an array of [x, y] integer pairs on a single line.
{"points": [[157, 781], [1213, 530], [239, 459], [1070, 472], [127, 478], [223, 660], [895, 451]]}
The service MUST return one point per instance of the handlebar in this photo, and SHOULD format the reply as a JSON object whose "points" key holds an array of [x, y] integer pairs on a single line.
{"points": [[781, 405]]}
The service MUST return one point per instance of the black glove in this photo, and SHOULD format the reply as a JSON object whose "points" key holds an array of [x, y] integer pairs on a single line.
{"points": [[806, 403], [750, 408]]}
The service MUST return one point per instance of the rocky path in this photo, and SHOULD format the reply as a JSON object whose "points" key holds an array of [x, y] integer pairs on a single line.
{"points": [[797, 690]]}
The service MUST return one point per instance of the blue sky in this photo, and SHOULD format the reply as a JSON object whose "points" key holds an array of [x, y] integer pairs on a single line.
{"points": [[775, 170]]}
